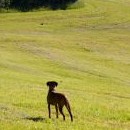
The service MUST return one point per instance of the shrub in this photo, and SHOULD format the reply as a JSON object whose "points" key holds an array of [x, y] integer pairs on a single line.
{"points": [[26, 5]]}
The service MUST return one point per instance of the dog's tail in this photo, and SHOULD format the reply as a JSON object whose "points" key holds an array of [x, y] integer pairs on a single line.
{"points": [[69, 109]]}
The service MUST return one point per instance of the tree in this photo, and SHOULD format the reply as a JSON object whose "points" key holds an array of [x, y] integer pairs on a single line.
{"points": [[4, 4], [26, 5]]}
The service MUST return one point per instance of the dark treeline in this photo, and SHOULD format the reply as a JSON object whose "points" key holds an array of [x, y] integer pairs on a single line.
{"points": [[26, 5]]}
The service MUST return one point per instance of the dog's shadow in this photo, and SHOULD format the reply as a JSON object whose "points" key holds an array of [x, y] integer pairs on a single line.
{"points": [[35, 119]]}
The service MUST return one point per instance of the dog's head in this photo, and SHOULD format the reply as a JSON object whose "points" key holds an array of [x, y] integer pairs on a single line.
{"points": [[52, 84]]}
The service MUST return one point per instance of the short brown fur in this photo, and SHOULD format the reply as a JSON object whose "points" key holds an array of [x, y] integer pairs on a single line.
{"points": [[59, 100]]}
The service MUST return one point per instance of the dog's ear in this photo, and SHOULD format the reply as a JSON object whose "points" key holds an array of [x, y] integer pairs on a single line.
{"points": [[48, 84], [56, 84]]}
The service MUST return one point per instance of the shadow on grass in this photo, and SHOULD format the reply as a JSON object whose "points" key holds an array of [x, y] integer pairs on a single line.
{"points": [[35, 119]]}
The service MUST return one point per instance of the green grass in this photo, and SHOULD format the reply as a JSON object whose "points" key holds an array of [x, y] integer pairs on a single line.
{"points": [[87, 50]]}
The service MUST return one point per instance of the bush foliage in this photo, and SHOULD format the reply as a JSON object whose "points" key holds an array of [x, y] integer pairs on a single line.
{"points": [[26, 5]]}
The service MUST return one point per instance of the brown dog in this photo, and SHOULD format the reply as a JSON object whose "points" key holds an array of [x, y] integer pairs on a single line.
{"points": [[57, 99]]}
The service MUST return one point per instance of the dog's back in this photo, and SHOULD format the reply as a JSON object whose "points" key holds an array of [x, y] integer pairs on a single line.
{"points": [[56, 98]]}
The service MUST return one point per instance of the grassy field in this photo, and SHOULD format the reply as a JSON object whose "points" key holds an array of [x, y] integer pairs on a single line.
{"points": [[86, 50]]}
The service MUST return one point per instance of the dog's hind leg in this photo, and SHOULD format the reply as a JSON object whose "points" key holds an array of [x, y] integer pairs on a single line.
{"points": [[61, 111], [56, 107], [69, 110]]}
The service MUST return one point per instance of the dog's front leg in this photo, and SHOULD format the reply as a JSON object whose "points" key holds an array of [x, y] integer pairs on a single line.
{"points": [[56, 107], [49, 110]]}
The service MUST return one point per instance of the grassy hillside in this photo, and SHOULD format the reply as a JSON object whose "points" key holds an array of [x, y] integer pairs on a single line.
{"points": [[87, 50]]}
